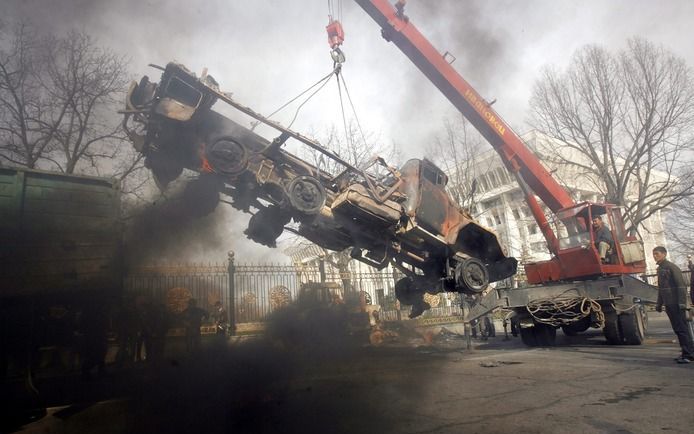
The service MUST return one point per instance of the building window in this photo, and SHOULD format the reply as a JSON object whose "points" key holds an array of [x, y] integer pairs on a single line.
{"points": [[532, 229], [503, 176], [482, 182], [537, 247], [493, 180], [516, 214], [497, 219]]}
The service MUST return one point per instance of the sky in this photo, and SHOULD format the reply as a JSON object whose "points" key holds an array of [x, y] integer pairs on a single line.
{"points": [[266, 52]]}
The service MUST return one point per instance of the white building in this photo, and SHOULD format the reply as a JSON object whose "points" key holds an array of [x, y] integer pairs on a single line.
{"points": [[500, 205]]}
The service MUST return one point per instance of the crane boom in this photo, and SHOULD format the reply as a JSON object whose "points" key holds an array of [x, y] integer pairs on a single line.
{"points": [[575, 255], [516, 156]]}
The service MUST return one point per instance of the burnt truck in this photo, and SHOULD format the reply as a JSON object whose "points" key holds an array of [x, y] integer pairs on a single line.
{"points": [[385, 215], [60, 256]]}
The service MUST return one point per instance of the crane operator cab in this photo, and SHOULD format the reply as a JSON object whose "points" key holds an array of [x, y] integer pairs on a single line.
{"points": [[594, 238]]}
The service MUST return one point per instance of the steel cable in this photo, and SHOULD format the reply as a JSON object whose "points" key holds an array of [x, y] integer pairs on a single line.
{"points": [[323, 80], [564, 310]]}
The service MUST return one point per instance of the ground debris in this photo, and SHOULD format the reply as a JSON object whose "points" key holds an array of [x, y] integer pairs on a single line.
{"points": [[497, 363]]}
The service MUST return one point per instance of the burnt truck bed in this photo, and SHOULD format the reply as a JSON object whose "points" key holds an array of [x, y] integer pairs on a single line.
{"points": [[621, 309]]}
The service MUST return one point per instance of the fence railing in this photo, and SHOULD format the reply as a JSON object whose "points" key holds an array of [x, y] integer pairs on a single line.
{"points": [[252, 292]]}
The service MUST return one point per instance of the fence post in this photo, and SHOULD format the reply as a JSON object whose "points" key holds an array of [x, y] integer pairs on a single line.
{"points": [[231, 268], [321, 269], [396, 277]]}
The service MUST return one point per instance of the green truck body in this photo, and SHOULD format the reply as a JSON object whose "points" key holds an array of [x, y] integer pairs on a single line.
{"points": [[59, 234]]}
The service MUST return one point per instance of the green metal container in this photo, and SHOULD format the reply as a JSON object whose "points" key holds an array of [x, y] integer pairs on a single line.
{"points": [[58, 234]]}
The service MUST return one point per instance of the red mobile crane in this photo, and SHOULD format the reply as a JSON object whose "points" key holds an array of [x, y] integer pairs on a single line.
{"points": [[575, 273]]}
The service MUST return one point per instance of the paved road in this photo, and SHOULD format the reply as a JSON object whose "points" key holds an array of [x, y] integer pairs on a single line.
{"points": [[582, 385]]}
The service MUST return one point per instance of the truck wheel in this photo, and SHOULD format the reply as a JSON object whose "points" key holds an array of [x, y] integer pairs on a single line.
{"points": [[577, 327], [541, 335], [633, 326], [472, 276], [611, 329], [306, 194], [227, 156], [546, 335], [528, 336]]}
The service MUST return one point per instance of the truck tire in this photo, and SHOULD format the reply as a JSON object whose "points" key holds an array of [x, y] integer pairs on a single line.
{"points": [[540, 335], [528, 336], [633, 326], [611, 329], [546, 335], [577, 327]]}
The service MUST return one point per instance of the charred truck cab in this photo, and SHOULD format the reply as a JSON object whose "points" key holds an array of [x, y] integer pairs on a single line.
{"points": [[402, 217]]}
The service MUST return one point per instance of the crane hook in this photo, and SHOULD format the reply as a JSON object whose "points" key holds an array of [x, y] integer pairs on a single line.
{"points": [[336, 36]]}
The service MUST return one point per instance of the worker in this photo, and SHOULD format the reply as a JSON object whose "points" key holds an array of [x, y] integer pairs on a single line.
{"points": [[220, 319], [603, 238], [690, 265], [192, 319], [672, 293]]}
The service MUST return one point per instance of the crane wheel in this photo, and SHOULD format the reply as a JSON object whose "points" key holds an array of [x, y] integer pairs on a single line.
{"points": [[577, 327], [611, 328], [540, 335], [633, 326]]}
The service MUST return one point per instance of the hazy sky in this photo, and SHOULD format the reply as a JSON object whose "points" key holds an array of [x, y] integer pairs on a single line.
{"points": [[266, 52]]}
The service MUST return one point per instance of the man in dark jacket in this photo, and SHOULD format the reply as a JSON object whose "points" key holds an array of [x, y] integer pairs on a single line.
{"points": [[192, 320], [672, 293], [690, 265]]}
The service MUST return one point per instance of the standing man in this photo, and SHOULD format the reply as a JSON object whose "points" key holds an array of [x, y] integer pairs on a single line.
{"points": [[690, 265], [192, 319], [220, 318], [672, 292], [603, 238]]}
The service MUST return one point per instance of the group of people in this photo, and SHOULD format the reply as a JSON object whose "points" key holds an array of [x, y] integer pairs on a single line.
{"points": [[143, 326]]}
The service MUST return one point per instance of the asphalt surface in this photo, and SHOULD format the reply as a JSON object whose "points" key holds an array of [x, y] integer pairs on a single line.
{"points": [[581, 385]]}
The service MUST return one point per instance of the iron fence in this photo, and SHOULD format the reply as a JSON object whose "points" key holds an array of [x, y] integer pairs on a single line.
{"points": [[174, 285], [251, 292]]}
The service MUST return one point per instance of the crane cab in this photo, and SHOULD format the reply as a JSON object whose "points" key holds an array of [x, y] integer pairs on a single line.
{"points": [[577, 255]]}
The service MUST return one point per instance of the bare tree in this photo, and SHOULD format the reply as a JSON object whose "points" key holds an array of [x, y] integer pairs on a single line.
{"points": [[457, 153], [629, 116], [86, 82], [351, 146], [29, 120], [59, 98]]}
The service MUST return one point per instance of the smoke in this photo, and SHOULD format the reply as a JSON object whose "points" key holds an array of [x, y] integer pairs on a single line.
{"points": [[185, 221], [470, 31], [308, 374]]}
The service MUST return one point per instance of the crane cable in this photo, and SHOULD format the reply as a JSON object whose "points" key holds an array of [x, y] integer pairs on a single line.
{"points": [[331, 9], [354, 111], [323, 80], [342, 109], [339, 58]]}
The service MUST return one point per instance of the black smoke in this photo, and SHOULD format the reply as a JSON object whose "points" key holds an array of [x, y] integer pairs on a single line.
{"points": [[186, 219]]}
